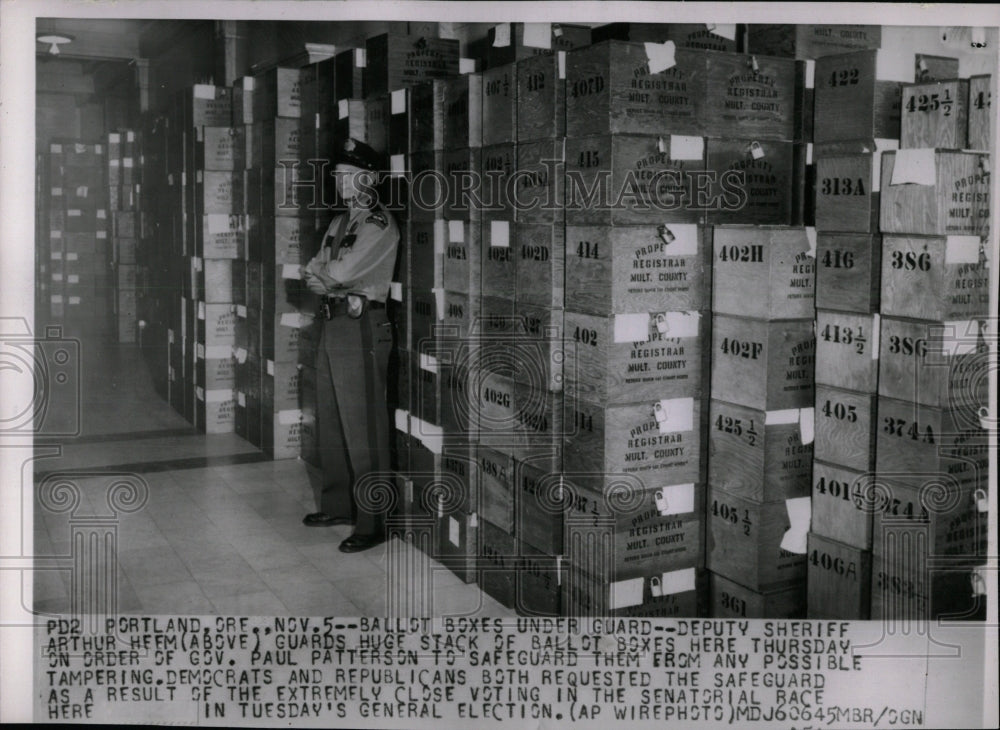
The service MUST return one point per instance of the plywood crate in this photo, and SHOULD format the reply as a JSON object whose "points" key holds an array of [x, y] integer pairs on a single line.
{"points": [[810, 41], [377, 116], [846, 426], [426, 102], [459, 421], [343, 119], [215, 324], [498, 258], [744, 538], [641, 528], [730, 600], [628, 180], [628, 439], [460, 477], [918, 444], [519, 41], [541, 97], [280, 335], [935, 114], [757, 455], [673, 594], [463, 111], [538, 193], [202, 105], [220, 148], [684, 35], [460, 325], [284, 239], [495, 471], [497, 558], [609, 90], [428, 196], [766, 272], [398, 121], [750, 96], [278, 93], [539, 426], [848, 193], [457, 546], [625, 358], [540, 264], [843, 502], [979, 112], [281, 384], [754, 181], [425, 241], [349, 73], [395, 61], [618, 270], [277, 289], [538, 513], [215, 410], [216, 280], [763, 365], [284, 142], [500, 105], [848, 272], [935, 277], [847, 350], [463, 169], [493, 339], [517, 576], [425, 384], [494, 406], [310, 444], [214, 367], [943, 516], [942, 364], [858, 94], [221, 236], [499, 165], [423, 319], [928, 67], [462, 263], [539, 347], [953, 199], [904, 589], [839, 580]]}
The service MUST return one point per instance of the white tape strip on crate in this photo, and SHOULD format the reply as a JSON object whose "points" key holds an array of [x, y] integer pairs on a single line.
{"points": [[456, 231], [454, 531], [402, 420], [799, 516], [660, 56], [674, 414], [625, 593], [501, 35]]}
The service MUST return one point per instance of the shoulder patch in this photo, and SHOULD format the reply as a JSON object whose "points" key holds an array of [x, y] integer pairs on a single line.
{"points": [[378, 219]]}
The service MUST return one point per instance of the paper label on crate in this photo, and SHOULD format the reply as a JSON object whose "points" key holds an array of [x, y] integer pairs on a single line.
{"points": [[466, 66], [631, 327], [170, 336], [962, 250], [360, 58], [428, 362], [398, 101], [439, 301], [57, 255], [723, 30], [440, 233], [55, 234], [74, 300], [561, 60], [73, 279], [201, 310], [204, 91], [396, 291], [241, 355], [127, 162], [55, 149], [286, 418], [799, 515], [56, 192], [456, 232], [892, 65], [218, 352], [432, 437], [241, 400], [343, 109], [57, 298], [199, 392], [102, 234], [199, 351], [677, 499], [537, 35], [781, 418], [82, 191], [876, 335], [625, 593], [807, 425], [684, 147], [963, 337], [57, 277], [74, 213], [397, 164], [291, 319], [660, 56], [170, 179], [453, 531], [80, 148], [677, 581], [217, 223], [914, 166], [101, 214], [677, 324], [196, 263], [674, 414], [291, 271], [402, 421], [501, 35], [270, 367], [811, 239], [241, 310], [218, 396], [500, 234], [681, 238], [810, 73]]}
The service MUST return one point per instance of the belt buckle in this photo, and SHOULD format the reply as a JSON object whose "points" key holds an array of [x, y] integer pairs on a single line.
{"points": [[356, 306], [324, 309]]}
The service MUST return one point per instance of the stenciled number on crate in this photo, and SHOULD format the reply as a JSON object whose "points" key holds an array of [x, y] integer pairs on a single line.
{"points": [[734, 426], [840, 490], [586, 87], [908, 346], [734, 604], [586, 250], [585, 421], [838, 259], [751, 254], [844, 77], [832, 409], [732, 515], [842, 335], [589, 158], [899, 586], [585, 336], [842, 186], [534, 252], [911, 261], [500, 398], [982, 100], [897, 427], [536, 82], [843, 568], [456, 252], [497, 86], [499, 253], [930, 103], [742, 348], [895, 508]]}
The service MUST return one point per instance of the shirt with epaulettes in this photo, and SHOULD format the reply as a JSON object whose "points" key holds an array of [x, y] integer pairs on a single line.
{"points": [[358, 252]]}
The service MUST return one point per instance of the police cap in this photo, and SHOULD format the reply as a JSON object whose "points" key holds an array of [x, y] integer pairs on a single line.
{"points": [[353, 152]]}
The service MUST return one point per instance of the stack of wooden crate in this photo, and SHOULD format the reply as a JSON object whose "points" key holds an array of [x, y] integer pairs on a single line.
{"points": [[123, 156], [929, 528]]}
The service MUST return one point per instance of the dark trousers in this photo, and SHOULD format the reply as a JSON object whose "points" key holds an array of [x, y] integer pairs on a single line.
{"points": [[353, 417]]}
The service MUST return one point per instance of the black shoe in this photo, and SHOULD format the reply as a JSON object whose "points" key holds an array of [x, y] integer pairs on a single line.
{"points": [[357, 543], [322, 519]]}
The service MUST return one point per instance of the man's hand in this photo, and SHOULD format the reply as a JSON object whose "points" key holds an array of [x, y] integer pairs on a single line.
{"points": [[316, 286]]}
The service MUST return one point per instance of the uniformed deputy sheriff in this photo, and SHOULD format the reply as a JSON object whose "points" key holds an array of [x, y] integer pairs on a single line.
{"points": [[352, 274]]}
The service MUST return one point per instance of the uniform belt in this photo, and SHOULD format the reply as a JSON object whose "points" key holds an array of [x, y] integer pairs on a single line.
{"points": [[338, 305]]}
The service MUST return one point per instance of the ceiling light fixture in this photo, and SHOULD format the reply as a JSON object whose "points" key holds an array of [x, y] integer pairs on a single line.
{"points": [[53, 41]]}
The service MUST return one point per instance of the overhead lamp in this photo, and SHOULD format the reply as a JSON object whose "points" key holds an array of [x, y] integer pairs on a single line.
{"points": [[53, 41]]}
